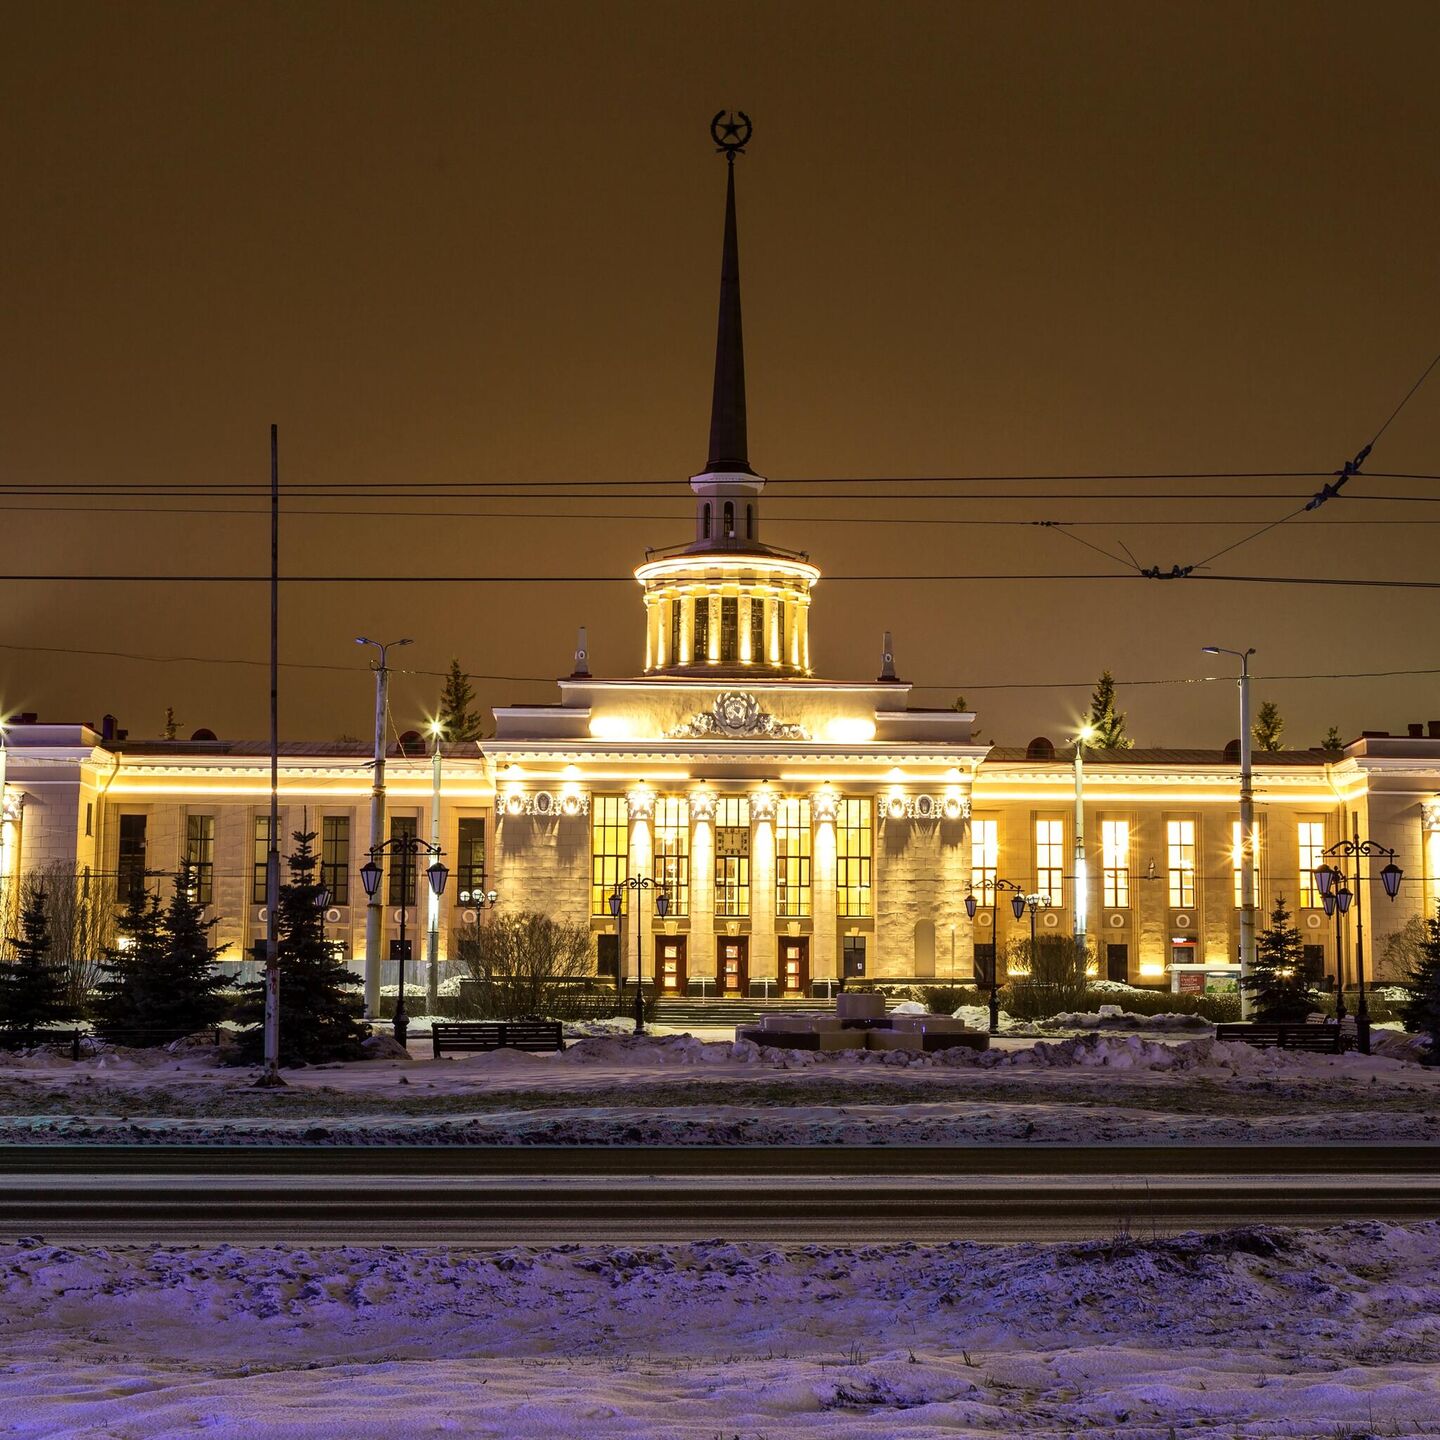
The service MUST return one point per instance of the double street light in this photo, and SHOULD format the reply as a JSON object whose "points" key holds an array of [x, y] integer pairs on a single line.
{"points": [[409, 848], [1337, 900], [639, 883], [1017, 905], [1327, 879]]}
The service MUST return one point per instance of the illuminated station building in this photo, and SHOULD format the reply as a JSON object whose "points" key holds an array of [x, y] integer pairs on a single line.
{"points": [[805, 831]]}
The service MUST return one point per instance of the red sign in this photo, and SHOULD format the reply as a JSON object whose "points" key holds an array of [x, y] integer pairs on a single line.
{"points": [[1190, 982]]}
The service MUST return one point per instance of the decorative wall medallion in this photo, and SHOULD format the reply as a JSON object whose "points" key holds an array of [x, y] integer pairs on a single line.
{"points": [[924, 807], [546, 803], [542, 802], [1312, 922], [736, 715], [1050, 920], [1430, 813], [1116, 920]]}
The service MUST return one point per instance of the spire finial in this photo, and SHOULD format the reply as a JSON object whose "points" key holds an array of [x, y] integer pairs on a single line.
{"points": [[731, 131]]}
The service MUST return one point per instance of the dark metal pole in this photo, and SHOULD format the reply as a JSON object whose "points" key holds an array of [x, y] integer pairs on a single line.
{"points": [[994, 963], [402, 1020], [1340, 1010], [640, 916], [270, 1076], [1362, 1010]]}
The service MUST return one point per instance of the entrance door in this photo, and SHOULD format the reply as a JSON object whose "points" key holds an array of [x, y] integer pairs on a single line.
{"points": [[734, 964], [795, 965], [1117, 963], [670, 964]]}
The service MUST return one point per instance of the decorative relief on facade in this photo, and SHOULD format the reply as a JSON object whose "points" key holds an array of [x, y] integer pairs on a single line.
{"points": [[702, 804], [825, 804], [641, 803], [10, 805], [762, 805], [924, 807], [1430, 814], [546, 803], [736, 714]]}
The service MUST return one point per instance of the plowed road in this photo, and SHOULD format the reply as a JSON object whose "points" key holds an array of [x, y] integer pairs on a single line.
{"points": [[540, 1195]]}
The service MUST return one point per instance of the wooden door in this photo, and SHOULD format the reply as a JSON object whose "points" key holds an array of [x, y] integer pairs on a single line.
{"points": [[734, 974], [795, 965], [670, 964]]}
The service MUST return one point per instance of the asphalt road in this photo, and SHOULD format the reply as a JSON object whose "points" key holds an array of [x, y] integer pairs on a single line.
{"points": [[543, 1195]]}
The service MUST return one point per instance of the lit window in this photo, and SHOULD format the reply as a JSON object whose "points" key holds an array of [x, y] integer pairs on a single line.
{"points": [[260, 850], [335, 857], [700, 649], [1312, 857], [1235, 869], [854, 830], [403, 864], [729, 629], [674, 657], [609, 851], [1050, 860], [792, 857], [732, 855], [200, 856], [672, 850], [1115, 862], [1180, 844], [757, 630], [984, 859]]}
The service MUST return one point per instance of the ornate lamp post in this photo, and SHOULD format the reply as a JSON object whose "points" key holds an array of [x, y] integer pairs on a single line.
{"points": [[1337, 903], [1390, 878], [640, 883], [1033, 903], [409, 848], [1017, 904], [322, 904]]}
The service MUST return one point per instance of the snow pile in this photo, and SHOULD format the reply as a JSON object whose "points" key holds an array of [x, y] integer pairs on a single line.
{"points": [[1255, 1331], [909, 1007], [1113, 1017]]}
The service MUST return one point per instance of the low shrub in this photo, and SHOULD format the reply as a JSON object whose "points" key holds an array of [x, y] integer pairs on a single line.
{"points": [[1026, 1001], [947, 999]]}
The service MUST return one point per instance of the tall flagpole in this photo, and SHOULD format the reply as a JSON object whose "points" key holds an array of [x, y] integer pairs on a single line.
{"points": [[271, 1074]]}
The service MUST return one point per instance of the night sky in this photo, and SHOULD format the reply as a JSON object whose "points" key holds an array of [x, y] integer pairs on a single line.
{"points": [[466, 243]]}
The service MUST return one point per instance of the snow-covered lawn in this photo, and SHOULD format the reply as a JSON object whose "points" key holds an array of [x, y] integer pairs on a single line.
{"points": [[1097, 1088], [1254, 1332]]}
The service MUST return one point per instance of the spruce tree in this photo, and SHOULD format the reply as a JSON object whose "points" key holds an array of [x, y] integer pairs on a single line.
{"points": [[1107, 724], [1278, 982], [457, 720], [163, 985], [1421, 1010], [1269, 726], [1332, 740], [131, 969], [319, 1009], [32, 986]]}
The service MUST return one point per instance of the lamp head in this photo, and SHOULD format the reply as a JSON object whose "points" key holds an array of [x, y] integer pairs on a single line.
{"points": [[970, 906], [1017, 904], [1390, 878], [662, 904], [437, 875], [615, 903], [1343, 897], [370, 877], [1325, 878]]}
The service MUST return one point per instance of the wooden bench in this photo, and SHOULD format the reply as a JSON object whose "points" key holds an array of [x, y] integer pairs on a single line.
{"points": [[496, 1035], [1321, 1039]]}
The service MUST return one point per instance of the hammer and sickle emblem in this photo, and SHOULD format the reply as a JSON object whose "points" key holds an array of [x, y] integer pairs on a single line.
{"points": [[731, 131]]}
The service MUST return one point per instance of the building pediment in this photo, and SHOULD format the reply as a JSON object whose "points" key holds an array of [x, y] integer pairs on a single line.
{"points": [[736, 714]]}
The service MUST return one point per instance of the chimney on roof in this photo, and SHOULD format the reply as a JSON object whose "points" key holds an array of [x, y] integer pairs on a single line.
{"points": [[582, 655], [887, 659], [1435, 729], [107, 727], [1417, 732]]}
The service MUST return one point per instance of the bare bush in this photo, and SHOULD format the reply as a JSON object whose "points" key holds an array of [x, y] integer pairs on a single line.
{"points": [[1047, 977], [526, 964], [80, 918]]}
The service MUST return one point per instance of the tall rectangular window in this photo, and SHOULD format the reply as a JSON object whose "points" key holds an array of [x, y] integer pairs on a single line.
{"points": [[1235, 868], [130, 870], [200, 856], [729, 629], [674, 657], [757, 630], [470, 859], [792, 857], [1050, 860], [732, 855], [1180, 861], [671, 831], [609, 851], [701, 648], [854, 852], [1312, 857], [335, 857], [403, 866], [1115, 863], [984, 859], [259, 850]]}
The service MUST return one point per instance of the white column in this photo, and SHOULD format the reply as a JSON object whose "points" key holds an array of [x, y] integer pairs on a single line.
{"points": [[641, 903], [763, 963], [701, 957], [824, 943]]}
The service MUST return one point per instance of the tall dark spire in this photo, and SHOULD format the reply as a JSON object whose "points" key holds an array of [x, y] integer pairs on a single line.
{"points": [[728, 448]]}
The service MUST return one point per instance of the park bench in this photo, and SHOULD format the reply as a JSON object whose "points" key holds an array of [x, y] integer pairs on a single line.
{"points": [[495, 1035], [1321, 1039]]}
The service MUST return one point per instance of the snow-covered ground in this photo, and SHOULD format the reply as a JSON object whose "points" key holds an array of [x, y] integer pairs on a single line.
{"points": [[617, 1089], [1248, 1333]]}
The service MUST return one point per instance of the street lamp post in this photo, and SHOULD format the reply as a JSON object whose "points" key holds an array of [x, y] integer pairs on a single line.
{"points": [[1247, 827], [1017, 904], [432, 941], [408, 848], [1337, 902], [639, 883], [1390, 878], [1082, 872], [1032, 903], [377, 817]]}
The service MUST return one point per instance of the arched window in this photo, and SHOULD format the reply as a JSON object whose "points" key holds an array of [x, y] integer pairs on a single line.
{"points": [[705, 522], [749, 522], [1040, 748], [729, 519]]}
